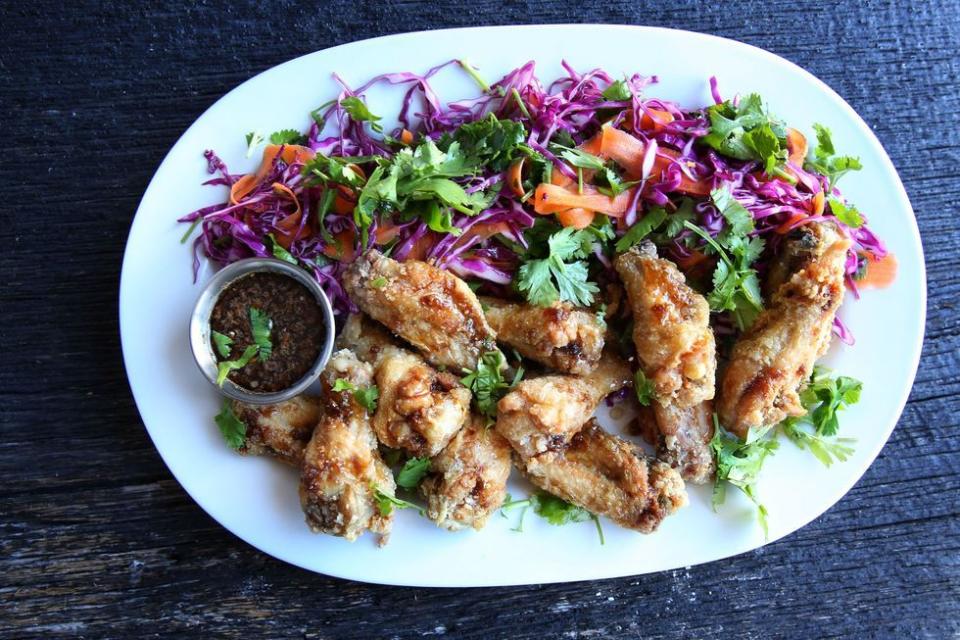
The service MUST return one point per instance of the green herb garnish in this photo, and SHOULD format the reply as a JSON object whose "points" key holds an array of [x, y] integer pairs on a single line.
{"points": [[222, 343], [562, 275], [826, 162], [226, 366], [287, 136], [413, 472], [554, 510], [261, 326], [746, 131], [254, 139], [487, 384], [643, 388], [739, 464], [386, 503], [365, 397], [643, 227], [233, 430]]}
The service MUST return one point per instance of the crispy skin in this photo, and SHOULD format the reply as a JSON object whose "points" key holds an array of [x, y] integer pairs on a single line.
{"points": [[419, 409], [682, 437], [771, 361], [609, 476], [544, 413], [341, 464], [671, 328], [279, 430], [561, 336], [468, 480], [432, 309]]}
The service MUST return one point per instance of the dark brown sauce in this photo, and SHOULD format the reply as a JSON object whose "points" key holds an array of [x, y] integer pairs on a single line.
{"points": [[296, 334]]}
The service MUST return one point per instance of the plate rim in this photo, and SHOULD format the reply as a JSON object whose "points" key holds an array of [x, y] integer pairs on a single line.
{"points": [[861, 125]]}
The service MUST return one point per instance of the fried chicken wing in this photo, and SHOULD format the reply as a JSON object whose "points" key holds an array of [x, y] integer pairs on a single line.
{"points": [[771, 361], [681, 437], [341, 467], [279, 430], [430, 308], [544, 413], [468, 480], [609, 476], [560, 336], [671, 331], [420, 409]]}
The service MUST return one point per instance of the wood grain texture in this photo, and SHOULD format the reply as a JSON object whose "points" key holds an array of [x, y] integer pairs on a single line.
{"points": [[97, 539]]}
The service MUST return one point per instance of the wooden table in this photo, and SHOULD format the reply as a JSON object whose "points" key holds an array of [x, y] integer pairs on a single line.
{"points": [[98, 540]]}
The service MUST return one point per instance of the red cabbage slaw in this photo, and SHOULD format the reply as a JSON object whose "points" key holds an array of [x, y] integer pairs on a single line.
{"points": [[573, 105]]}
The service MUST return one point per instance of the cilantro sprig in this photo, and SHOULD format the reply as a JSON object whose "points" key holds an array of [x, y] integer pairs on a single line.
{"points": [[413, 472], [487, 383], [826, 161], [823, 397], [563, 274], [232, 428], [554, 510], [365, 396], [386, 503], [746, 131], [739, 463]]}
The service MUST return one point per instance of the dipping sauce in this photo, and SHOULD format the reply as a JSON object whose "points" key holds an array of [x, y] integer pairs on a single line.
{"points": [[296, 330]]}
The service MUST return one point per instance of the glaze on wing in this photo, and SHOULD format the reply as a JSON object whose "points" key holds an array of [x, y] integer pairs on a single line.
{"points": [[544, 413], [430, 308], [774, 358], [420, 409], [341, 465], [561, 336], [468, 480], [608, 476], [671, 331]]}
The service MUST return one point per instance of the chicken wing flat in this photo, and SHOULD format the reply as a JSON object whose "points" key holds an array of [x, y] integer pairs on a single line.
{"points": [[561, 336], [609, 476], [544, 413], [468, 480], [341, 467], [681, 437], [771, 361], [671, 331], [420, 409], [279, 430], [432, 309]]}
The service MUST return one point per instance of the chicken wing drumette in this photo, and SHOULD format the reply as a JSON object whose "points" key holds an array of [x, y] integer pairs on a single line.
{"points": [[681, 437], [419, 409], [775, 357], [671, 331], [468, 480], [279, 430], [609, 476], [342, 469], [561, 336], [544, 413], [430, 308]]}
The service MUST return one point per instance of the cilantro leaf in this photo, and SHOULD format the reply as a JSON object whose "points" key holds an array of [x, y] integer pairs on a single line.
{"points": [[684, 213], [330, 169], [618, 91], [545, 281], [386, 502], [261, 326], [823, 397], [845, 213], [490, 142], [826, 162], [279, 252], [233, 430], [358, 111], [226, 366], [254, 139], [643, 227], [287, 136], [222, 343], [413, 472], [643, 388], [746, 131], [365, 397], [487, 384], [739, 464], [738, 219]]}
